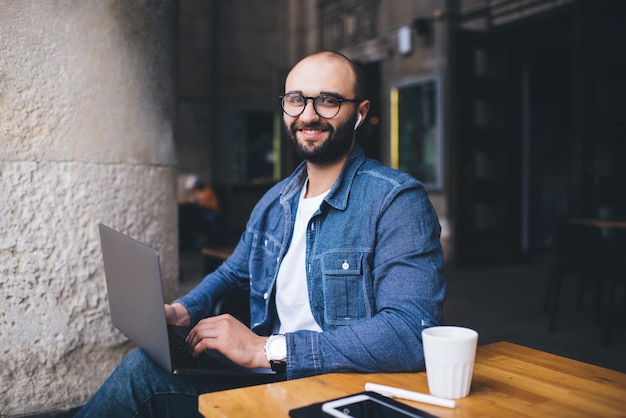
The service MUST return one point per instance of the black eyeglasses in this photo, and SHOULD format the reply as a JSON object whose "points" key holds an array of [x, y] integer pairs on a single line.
{"points": [[325, 105]]}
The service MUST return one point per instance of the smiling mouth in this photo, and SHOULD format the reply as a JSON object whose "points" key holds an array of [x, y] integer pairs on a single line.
{"points": [[312, 131]]}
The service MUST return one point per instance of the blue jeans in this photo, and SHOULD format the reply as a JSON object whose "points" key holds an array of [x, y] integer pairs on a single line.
{"points": [[141, 388]]}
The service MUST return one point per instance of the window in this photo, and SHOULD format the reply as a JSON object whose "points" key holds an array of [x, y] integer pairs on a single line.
{"points": [[416, 126], [255, 147]]}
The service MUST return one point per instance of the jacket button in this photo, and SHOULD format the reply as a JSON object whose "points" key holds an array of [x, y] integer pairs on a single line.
{"points": [[266, 295], [345, 265]]}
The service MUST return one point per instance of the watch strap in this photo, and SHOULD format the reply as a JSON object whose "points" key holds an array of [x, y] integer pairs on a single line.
{"points": [[279, 366]]}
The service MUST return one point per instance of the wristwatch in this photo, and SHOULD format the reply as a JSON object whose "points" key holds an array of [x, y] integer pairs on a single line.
{"points": [[276, 352]]}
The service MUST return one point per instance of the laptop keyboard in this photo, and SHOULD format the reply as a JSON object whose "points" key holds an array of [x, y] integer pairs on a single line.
{"points": [[180, 351], [209, 360], [182, 357]]}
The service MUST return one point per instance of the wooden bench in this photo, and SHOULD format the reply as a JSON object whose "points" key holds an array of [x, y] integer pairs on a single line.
{"points": [[212, 257], [236, 303]]}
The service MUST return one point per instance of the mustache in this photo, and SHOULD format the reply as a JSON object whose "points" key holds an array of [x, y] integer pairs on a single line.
{"points": [[317, 125]]}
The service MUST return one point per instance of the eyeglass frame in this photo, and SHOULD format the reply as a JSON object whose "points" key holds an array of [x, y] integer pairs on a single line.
{"points": [[314, 98]]}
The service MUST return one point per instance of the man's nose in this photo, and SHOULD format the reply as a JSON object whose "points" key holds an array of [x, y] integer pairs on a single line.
{"points": [[309, 114]]}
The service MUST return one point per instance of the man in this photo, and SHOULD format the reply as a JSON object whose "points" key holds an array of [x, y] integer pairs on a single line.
{"points": [[342, 259], [207, 222]]}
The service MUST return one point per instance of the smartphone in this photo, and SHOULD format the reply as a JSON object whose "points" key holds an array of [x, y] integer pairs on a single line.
{"points": [[371, 405]]}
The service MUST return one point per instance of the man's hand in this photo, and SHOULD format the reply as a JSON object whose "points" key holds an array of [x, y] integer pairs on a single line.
{"points": [[230, 337], [176, 314]]}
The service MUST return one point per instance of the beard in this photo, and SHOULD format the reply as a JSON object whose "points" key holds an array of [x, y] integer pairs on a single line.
{"points": [[336, 146]]}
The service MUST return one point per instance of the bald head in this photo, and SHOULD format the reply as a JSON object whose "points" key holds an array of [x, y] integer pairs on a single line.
{"points": [[325, 106], [349, 71]]}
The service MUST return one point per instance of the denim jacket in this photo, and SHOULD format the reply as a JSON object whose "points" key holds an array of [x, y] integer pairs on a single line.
{"points": [[373, 263]]}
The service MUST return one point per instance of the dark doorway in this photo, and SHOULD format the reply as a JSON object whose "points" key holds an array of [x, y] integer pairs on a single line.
{"points": [[486, 176], [548, 86], [368, 134]]}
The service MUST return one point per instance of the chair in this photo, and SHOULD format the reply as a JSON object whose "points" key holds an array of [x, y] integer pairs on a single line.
{"points": [[236, 303], [579, 251], [616, 275]]}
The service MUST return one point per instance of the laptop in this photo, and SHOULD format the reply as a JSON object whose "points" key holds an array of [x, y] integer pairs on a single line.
{"points": [[135, 293]]}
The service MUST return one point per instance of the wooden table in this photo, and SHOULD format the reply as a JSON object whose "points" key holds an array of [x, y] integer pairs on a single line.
{"points": [[509, 381], [600, 223]]}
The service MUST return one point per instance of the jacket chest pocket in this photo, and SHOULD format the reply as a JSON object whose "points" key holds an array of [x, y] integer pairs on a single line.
{"points": [[262, 263], [344, 287]]}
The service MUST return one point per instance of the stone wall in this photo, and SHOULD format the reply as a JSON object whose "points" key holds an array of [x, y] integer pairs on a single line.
{"points": [[86, 127]]}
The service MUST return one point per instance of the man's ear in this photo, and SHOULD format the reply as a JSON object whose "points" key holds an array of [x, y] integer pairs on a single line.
{"points": [[363, 109], [358, 121]]}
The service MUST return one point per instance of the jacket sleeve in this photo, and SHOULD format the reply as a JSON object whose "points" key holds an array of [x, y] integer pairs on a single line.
{"points": [[408, 293], [232, 274]]}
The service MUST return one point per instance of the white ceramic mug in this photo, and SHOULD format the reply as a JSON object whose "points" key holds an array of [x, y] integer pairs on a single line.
{"points": [[449, 352]]}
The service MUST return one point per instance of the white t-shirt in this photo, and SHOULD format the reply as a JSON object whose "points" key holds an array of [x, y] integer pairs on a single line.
{"points": [[292, 293]]}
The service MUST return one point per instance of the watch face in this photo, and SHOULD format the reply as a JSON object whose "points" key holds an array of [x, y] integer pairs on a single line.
{"points": [[277, 347]]}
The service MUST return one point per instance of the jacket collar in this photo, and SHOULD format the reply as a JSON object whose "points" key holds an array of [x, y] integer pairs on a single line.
{"points": [[339, 192]]}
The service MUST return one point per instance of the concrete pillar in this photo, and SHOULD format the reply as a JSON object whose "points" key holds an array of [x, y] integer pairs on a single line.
{"points": [[86, 136]]}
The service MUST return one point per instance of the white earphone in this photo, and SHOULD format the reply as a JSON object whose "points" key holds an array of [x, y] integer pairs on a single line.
{"points": [[358, 120]]}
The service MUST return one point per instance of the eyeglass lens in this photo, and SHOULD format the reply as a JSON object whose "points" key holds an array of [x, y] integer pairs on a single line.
{"points": [[325, 106]]}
